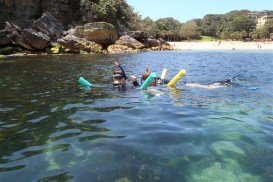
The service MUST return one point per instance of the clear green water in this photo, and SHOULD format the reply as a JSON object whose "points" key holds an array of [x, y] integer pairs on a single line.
{"points": [[53, 129]]}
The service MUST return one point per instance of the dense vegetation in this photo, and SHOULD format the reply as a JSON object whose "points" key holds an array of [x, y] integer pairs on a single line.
{"points": [[234, 25], [117, 12]]}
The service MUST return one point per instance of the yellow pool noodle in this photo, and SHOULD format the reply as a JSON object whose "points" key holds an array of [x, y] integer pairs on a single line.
{"points": [[177, 77], [163, 74]]}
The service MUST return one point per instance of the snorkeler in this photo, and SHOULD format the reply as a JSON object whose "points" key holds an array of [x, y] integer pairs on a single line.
{"points": [[134, 81], [119, 76], [146, 75]]}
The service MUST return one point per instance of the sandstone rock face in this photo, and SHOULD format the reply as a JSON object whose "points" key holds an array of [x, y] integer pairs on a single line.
{"points": [[4, 39], [119, 49], [139, 35], [99, 32], [167, 47], [76, 44], [66, 11], [44, 30], [18, 39], [153, 42], [49, 26], [129, 42], [35, 39]]}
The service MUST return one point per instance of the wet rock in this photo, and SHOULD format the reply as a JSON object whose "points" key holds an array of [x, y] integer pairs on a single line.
{"points": [[130, 42], [100, 32], [75, 44]]}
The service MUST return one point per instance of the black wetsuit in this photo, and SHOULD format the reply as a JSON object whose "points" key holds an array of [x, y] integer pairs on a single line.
{"points": [[119, 75], [135, 83], [123, 72]]}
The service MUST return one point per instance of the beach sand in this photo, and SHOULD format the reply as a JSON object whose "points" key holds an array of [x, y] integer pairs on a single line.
{"points": [[223, 45]]}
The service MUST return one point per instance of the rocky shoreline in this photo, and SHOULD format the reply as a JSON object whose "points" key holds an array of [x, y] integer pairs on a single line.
{"points": [[47, 36]]}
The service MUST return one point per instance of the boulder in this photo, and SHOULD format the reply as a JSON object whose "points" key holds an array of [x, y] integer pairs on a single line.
{"points": [[49, 26], [76, 44], [35, 39], [157, 48], [166, 47], [100, 32], [119, 49], [153, 42], [162, 41], [10, 27], [18, 39], [130, 42], [4, 39], [138, 35]]}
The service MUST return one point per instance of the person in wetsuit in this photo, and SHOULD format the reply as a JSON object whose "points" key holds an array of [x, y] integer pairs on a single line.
{"points": [[119, 76], [146, 75], [134, 81]]}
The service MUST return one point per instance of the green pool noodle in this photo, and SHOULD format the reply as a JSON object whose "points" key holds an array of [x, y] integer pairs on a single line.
{"points": [[148, 81], [84, 82]]}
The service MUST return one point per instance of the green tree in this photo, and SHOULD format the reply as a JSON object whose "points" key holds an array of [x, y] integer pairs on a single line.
{"points": [[211, 24], [241, 23], [116, 12], [189, 30], [269, 25], [148, 25], [168, 28]]}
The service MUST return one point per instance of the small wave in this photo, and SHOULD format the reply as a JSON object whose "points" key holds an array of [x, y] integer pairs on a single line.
{"points": [[210, 86]]}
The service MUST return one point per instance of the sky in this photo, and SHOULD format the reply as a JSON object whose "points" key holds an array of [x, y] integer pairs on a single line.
{"points": [[187, 10]]}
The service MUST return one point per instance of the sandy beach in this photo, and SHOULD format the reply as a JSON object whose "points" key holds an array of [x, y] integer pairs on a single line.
{"points": [[223, 45]]}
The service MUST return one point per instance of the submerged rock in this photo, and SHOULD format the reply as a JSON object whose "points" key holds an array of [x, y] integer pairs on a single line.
{"points": [[228, 171], [223, 147]]}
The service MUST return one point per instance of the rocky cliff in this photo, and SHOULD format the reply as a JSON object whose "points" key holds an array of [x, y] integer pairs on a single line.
{"points": [[67, 11]]}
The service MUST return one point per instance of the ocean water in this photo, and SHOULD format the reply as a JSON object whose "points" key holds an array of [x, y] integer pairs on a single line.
{"points": [[204, 129]]}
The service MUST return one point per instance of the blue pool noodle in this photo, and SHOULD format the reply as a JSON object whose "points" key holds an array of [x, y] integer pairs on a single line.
{"points": [[84, 82], [148, 81]]}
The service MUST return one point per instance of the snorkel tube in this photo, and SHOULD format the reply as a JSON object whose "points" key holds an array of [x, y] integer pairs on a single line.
{"points": [[176, 78], [163, 75], [84, 82], [148, 81]]}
